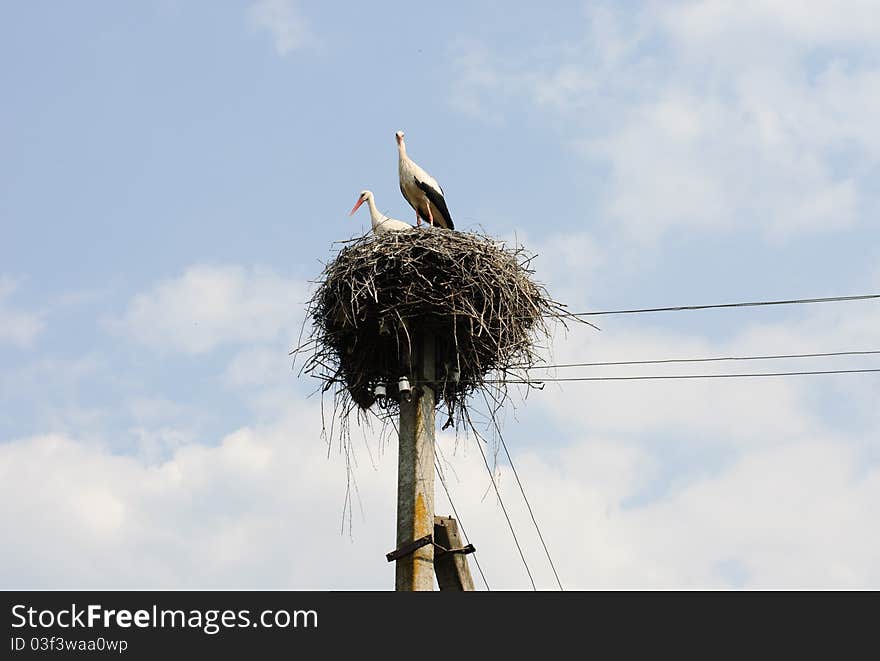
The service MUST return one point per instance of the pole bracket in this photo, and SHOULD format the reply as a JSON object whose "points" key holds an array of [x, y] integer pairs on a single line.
{"points": [[409, 547], [464, 550]]}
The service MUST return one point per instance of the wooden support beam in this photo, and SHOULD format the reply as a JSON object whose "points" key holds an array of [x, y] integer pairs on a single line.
{"points": [[415, 475], [453, 572]]}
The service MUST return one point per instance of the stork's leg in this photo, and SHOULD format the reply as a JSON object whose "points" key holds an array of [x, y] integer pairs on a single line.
{"points": [[418, 218], [430, 216]]}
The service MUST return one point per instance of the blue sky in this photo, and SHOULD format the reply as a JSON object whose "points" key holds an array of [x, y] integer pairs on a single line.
{"points": [[174, 173]]}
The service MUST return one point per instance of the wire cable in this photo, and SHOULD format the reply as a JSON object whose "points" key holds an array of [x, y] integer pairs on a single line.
{"points": [[460, 523], [678, 376], [531, 513], [506, 516], [704, 360], [678, 308]]}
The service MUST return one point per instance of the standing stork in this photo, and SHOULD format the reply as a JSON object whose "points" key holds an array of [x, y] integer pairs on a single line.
{"points": [[421, 190], [381, 223]]}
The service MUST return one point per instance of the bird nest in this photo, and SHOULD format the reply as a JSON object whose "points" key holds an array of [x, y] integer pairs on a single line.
{"points": [[467, 299]]}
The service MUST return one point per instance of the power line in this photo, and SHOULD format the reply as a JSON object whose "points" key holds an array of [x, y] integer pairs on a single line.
{"points": [[704, 360], [531, 513], [678, 376], [460, 523], [678, 308], [504, 509]]}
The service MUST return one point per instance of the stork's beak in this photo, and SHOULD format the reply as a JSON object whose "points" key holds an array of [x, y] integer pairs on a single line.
{"points": [[359, 203]]}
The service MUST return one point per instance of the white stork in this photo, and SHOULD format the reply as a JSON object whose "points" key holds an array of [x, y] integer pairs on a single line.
{"points": [[421, 190], [381, 222]]}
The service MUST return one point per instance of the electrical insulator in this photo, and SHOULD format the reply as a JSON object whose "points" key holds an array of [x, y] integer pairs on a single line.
{"points": [[404, 389]]}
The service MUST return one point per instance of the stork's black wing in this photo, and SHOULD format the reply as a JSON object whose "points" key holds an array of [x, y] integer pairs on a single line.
{"points": [[436, 198]]}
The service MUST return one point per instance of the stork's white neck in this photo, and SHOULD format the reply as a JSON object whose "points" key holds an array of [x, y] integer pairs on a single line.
{"points": [[401, 148], [375, 216]]}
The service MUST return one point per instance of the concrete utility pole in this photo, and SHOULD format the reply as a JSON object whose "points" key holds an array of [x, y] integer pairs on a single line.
{"points": [[453, 572], [415, 475]]}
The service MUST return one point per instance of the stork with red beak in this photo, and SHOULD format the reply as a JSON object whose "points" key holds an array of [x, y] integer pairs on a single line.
{"points": [[421, 190], [381, 222]]}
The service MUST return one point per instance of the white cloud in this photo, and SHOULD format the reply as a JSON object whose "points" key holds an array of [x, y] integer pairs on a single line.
{"points": [[210, 306], [47, 378], [476, 75], [682, 408], [17, 327], [156, 445], [262, 508], [793, 515], [567, 262], [785, 499], [709, 116], [283, 20], [711, 412], [155, 409], [777, 494], [257, 366], [707, 483], [813, 23]]}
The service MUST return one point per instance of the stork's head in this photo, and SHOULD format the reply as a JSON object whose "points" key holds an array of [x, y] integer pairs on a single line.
{"points": [[363, 197], [399, 136]]}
